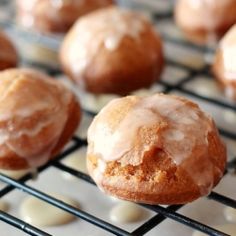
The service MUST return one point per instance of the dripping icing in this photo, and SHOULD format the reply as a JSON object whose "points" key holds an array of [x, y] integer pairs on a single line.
{"points": [[109, 30], [40, 213], [23, 97], [176, 138]]}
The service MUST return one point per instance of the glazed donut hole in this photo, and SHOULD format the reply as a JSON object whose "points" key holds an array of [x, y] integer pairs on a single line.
{"points": [[224, 66], [112, 52], [49, 20], [54, 16], [205, 22], [158, 149], [38, 116]]}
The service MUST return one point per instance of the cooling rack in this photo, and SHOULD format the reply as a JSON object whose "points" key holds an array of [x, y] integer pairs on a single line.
{"points": [[188, 73]]}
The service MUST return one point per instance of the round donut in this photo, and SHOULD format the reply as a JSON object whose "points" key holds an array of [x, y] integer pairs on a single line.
{"points": [[38, 116], [224, 66], [112, 51], [54, 16], [8, 54], [204, 21], [160, 149]]}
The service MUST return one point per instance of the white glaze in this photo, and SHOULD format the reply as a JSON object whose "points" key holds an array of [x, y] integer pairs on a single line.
{"points": [[229, 60], [44, 98], [29, 10], [229, 229], [22, 97], [61, 3], [41, 214], [228, 50], [198, 3], [15, 174], [27, 20], [4, 206], [126, 212], [174, 135], [230, 214], [109, 30], [207, 88], [77, 3], [26, 12], [113, 145], [77, 161], [176, 139], [207, 3], [28, 4], [32, 132], [98, 172], [229, 38]]}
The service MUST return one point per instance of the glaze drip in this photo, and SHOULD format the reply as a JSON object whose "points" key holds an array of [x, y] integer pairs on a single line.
{"points": [[40, 213], [109, 30], [32, 109], [175, 123]]}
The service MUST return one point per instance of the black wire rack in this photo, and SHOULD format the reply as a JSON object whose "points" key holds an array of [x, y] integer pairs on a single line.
{"points": [[161, 213]]}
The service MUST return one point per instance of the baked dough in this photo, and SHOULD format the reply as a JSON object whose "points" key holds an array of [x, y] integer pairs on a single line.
{"points": [[8, 54], [38, 116], [112, 51], [224, 66], [160, 149], [54, 16], [204, 21]]}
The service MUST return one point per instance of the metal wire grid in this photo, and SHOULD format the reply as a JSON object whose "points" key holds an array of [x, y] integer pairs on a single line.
{"points": [[162, 213]]}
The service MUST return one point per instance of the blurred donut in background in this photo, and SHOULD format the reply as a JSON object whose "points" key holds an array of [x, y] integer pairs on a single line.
{"points": [[224, 67], [203, 20], [54, 16], [112, 51]]}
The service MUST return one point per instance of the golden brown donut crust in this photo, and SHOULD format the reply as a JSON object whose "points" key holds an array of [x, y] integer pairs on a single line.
{"points": [[157, 179], [40, 140], [134, 64], [195, 22], [8, 54], [49, 17]]}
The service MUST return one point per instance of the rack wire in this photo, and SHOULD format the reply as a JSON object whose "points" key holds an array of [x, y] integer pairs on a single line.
{"points": [[161, 213]]}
